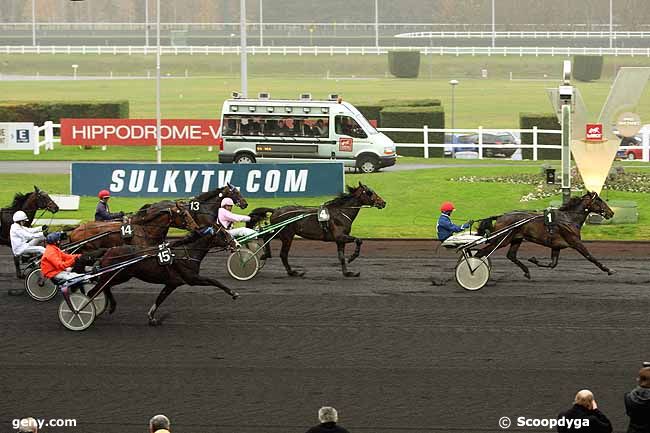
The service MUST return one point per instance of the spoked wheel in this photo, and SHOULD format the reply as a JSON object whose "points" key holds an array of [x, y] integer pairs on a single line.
{"points": [[472, 273], [257, 247], [38, 287], [473, 253], [78, 318], [243, 264], [100, 303]]}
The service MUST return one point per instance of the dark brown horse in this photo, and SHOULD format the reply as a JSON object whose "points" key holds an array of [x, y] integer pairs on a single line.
{"points": [[342, 211], [29, 203], [204, 207], [188, 254], [147, 228], [564, 232]]}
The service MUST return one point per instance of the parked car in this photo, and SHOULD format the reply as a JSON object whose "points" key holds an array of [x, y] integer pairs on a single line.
{"points": [[458, 139], [630, 154], [497, 138]]}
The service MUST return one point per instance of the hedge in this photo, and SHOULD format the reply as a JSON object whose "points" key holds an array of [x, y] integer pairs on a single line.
{"points": [[410, 103], [542, 121], [370, 112], [40, 112], [414, 117], [587, 68], [404, 64]]}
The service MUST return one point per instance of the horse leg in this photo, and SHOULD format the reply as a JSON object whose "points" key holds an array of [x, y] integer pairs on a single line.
{"points": [[340, 246], [512, 255], [267, 245], [166, 291], [197, 280], [555, 255], [580, 247], [357, 250], [284, 255]]}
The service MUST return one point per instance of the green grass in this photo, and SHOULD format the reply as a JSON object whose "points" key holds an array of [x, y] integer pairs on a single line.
{"points": [[413, 198]]}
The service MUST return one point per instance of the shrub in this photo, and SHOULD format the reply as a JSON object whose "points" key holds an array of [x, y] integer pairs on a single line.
{"points": [[587, 68], [40, 112], [404, 64]]}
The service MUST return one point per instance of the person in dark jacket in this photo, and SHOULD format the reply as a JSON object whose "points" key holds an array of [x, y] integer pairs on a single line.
{"points": [[102, 211], [328, 417], [445, 227], [637, 404], [584, 416]]}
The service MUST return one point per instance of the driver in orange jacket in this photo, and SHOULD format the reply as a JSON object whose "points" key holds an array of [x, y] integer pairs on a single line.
{"points": [[56, 263]]}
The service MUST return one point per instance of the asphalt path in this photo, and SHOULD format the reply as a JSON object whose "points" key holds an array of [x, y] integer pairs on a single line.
{"points": [[402, 348]]}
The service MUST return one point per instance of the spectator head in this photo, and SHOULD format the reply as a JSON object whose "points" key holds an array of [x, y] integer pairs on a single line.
{"points": [[584, 398], [644, 377], [327, 414], [28, 425], [158, 422]]}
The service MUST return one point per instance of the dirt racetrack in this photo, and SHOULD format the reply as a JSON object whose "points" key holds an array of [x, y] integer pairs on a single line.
{"points": [[392, 351]]}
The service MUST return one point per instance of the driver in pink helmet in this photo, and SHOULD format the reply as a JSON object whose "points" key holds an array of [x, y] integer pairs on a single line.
{"points": [[227, 219]]}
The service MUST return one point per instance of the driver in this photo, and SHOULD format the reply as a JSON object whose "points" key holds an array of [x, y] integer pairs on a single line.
{"points": [[25, 239], [445, 227], [56, 263], [227, 219], [102, 211]]}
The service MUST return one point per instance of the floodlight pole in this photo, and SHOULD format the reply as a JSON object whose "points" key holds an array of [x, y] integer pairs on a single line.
{"points": [[242, 54], [566, 152], [611, 24], [34, 23], [261, 25], [158, 121], [493, 24], [146, 22], [377, 23]]}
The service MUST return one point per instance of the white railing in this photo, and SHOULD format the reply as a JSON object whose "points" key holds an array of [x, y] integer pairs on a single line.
{"points": [[48, 136], [321, 50], [480, 146], [525, 35]]}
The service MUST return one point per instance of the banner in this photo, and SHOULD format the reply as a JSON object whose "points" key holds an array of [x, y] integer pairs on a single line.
{"points": [[139, 132], [17, 136], [188, 180]]}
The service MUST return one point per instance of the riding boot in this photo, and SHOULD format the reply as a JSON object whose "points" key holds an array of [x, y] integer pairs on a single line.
{"points": [[19, 274]]}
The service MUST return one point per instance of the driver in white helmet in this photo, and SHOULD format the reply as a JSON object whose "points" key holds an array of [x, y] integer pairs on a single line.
{"points": [[25, 239], [227, 219]]}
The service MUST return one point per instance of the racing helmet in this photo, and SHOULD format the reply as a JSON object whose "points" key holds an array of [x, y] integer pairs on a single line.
{"points": [[20, 216], [447, 206], [103, 194], [53, 237], [227, 202]]}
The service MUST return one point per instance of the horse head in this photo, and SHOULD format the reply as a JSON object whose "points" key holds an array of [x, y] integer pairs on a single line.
{"points": [[597, 205], [234, 193], [221, 237], [182, 218], [43, 200], [367, 197]]}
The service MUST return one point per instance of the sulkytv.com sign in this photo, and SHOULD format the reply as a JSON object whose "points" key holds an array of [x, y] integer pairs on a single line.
{"points": [[188, 180]]}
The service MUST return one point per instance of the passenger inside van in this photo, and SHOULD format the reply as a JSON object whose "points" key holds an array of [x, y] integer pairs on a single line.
{"points": [[321, 129]]}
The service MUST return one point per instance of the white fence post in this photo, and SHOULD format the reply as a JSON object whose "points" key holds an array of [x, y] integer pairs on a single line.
{"points": [[645, 142], [49, 135], [425, 129], [480, 142], [37, 140], [534, 143]]}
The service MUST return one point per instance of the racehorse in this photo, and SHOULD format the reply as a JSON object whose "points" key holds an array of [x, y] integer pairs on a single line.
{"points": [[28, 203], [184, 269], [342, 212], [563, 233], [147, 228], [204, 212]]}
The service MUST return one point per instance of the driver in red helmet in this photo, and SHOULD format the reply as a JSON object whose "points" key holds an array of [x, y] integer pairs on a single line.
{"points": [[102, 211], [445, 227]]}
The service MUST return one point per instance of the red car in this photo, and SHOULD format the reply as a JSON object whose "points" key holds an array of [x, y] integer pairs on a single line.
{"points": [[630, 154]]}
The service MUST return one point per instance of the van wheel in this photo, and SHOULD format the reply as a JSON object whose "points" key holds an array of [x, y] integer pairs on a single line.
{"points": [[244, 158], [630, 156], [367, 164]]}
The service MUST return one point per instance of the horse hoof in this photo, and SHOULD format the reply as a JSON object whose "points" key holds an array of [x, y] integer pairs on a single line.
{"points": [[155, 322], [111, 309], [296, 274], [533, 260], [527, 275], [351, 259], [352, 274], [235, 295], [611, 271]]}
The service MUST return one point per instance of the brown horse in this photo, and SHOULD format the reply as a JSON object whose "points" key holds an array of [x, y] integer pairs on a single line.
{"points": [[563, 233], [342, 211], [28, 203], [147, 228], [188, 254], [204, 207]]}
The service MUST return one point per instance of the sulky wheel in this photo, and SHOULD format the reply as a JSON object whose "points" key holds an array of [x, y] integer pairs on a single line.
{"points": [[82, 314], [243, 264], [473, 253], [100, 303], [258, 248], [38, 287], [473, 273]]}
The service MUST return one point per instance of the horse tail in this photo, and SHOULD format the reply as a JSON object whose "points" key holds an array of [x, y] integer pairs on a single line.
{"points": [[258, 215], [486, 227]]}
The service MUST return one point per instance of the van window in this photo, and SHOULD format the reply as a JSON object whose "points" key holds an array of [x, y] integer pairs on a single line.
{"points": [[346, 125], [282, 126]]}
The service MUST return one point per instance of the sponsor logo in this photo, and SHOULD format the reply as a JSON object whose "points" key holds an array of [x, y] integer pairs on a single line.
{"points": [[345, 144], [594, 132]]}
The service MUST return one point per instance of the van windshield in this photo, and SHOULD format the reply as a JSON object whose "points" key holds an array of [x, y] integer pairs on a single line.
{"points": [[362, 120]]}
